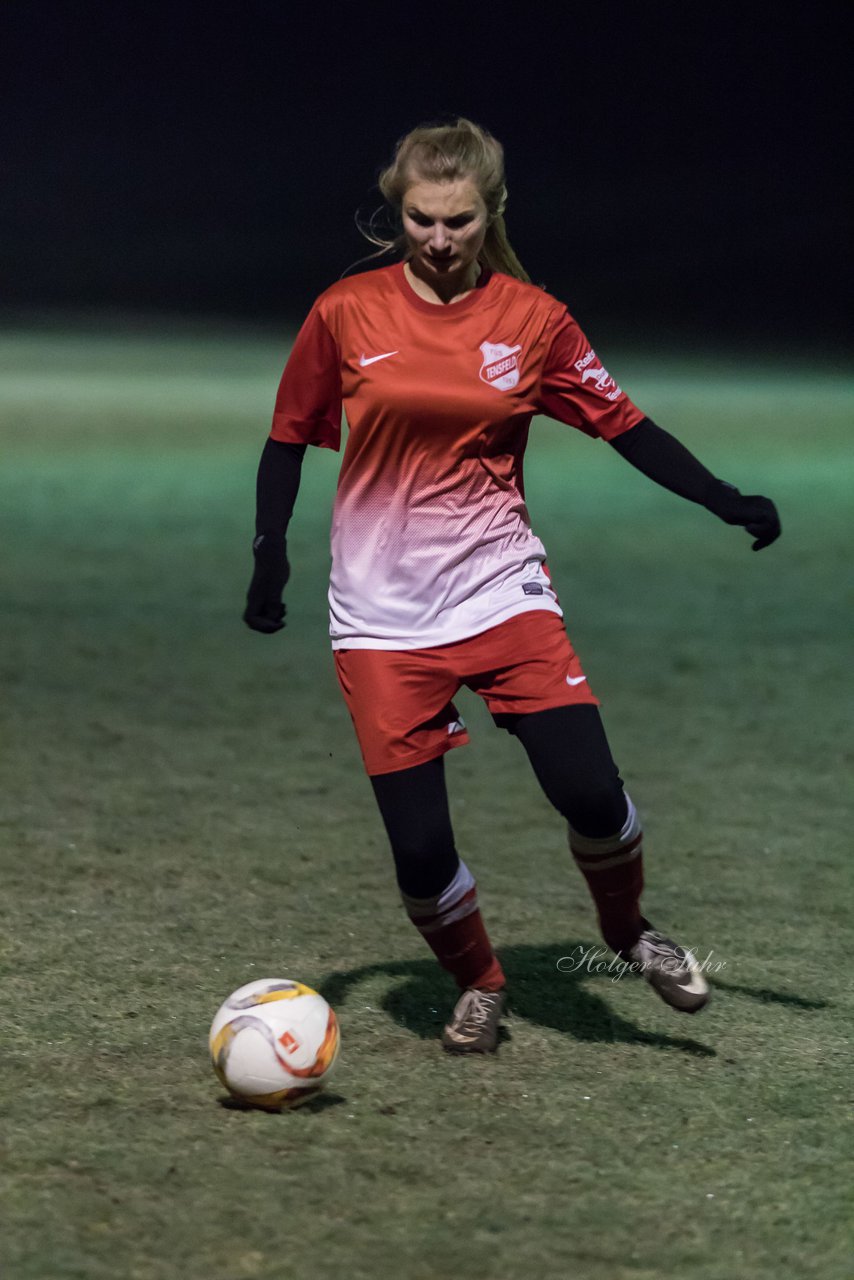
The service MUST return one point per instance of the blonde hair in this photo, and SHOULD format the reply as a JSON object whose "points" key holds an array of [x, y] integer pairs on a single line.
{"points": [[444, 153]]}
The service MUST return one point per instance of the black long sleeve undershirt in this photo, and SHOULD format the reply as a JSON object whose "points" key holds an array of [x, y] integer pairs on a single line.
{"points": [[662, 458], [277, 486]]}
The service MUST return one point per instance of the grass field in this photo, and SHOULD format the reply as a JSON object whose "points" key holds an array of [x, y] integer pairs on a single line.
{"points": [[184, 809]]}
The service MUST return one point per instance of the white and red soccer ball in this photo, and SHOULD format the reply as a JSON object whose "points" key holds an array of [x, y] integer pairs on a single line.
{"points": [[273, 1042]]}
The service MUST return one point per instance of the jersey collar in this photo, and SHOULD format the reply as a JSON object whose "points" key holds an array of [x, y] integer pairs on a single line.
{"points": [[472, 299]]}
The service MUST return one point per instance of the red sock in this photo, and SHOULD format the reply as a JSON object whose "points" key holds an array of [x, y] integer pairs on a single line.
{"points": [[613, 869], [452, 926]]}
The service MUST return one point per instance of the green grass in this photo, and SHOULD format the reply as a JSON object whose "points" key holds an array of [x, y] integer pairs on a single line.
{"points": [[184, 809]]}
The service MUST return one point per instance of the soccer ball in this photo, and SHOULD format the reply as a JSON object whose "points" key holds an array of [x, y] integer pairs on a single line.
{"points": [[273, 1043]]}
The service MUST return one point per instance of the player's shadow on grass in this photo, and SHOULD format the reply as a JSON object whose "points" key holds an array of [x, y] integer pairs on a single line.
{"points": [[766, 995], [538, 992]]}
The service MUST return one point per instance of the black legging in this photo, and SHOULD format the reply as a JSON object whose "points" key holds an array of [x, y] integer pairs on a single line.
{"points": [[572, 761]]}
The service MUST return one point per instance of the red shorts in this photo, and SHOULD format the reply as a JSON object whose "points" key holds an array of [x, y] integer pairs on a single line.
{"points": [[400, 700]]}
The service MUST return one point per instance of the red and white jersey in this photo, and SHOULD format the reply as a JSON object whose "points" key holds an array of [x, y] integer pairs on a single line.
{"points": [[431, 538]]}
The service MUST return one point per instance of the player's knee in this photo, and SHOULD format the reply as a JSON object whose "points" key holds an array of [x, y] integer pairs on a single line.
{"points": [[423, 870], [597, 809]]}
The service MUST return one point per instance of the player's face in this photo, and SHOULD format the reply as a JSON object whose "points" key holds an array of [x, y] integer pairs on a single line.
{"points": [[445, 224]]}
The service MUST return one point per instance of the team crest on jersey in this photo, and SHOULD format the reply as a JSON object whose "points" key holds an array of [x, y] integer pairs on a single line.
{"points": [[500, 366]]}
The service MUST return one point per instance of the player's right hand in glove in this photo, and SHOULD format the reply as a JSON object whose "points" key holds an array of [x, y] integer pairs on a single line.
{"points": [[758, 515], [265, 610]]}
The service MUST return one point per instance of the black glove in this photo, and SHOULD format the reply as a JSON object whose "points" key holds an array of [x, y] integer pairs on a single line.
{"points": [[758, 515], [265, 610]]}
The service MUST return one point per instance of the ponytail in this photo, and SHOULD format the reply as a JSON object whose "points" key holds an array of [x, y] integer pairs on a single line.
{"points": [[497, 252]]}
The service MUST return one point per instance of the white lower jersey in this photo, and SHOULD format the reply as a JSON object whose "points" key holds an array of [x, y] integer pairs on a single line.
{"points": [[403, 580]]}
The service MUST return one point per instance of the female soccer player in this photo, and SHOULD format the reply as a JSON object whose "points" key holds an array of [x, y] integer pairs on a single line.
{"points": [[438, 580]]}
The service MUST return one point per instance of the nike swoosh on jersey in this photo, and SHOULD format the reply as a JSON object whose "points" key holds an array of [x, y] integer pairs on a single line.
{"points": [[575, 679], [365, 360]]}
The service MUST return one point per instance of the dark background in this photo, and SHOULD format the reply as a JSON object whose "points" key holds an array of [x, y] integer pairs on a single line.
{"points": [[675, 170]]}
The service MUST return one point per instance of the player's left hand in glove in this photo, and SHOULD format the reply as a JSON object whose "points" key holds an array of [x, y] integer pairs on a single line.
{"points": [[758, 515], [265, 610]]}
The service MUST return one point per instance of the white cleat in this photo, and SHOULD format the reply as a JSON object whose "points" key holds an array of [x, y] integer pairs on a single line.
{"points": [[473, 1027], [670, 970]]}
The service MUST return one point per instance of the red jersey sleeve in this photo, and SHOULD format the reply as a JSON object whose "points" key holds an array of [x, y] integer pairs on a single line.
{"points": [[577, 390], [308, 404]]}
